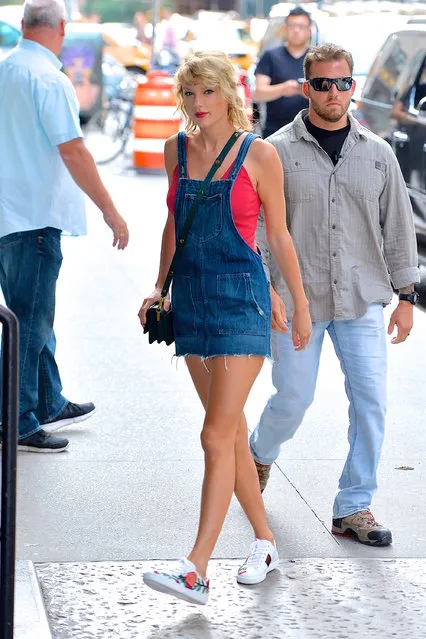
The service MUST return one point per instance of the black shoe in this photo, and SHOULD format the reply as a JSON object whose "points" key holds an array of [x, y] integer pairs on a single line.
{"points": [[42, 442], [71, 414]]}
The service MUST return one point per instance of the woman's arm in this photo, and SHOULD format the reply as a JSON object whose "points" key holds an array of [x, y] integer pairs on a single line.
{"points": [[168, 238], [168, 245], [270, 187]]}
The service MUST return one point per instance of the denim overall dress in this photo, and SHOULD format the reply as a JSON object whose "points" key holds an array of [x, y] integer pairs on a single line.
{"points": [[220, 293]]}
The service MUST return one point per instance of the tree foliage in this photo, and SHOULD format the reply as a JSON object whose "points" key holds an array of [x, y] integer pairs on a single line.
{"points": [[116, 10]]}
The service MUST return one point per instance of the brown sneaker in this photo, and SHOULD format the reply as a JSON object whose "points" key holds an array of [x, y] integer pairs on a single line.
{"points": [[263, 472], [364, 527]]}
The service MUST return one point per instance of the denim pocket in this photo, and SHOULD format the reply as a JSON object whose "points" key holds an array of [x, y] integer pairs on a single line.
{"points": [[183, 307], [239, 312], [49, 245], [11, 240], [207, 223]]}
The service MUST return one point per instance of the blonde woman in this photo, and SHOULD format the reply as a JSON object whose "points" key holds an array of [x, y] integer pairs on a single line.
{"points": [[221, 302]]}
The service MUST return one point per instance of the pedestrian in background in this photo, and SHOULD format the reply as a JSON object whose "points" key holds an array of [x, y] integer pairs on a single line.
{"points": [[278, 71], [351, 221], [221, 301], [41, 184]]}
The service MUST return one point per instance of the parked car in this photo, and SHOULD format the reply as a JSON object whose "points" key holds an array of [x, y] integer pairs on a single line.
{"points": [[121, 43], [393, 105], [215, 30], [10, 27]]}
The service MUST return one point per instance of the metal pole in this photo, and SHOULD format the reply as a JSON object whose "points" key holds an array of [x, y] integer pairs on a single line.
{"points": [[69, 9], [154, 21], [9, 413]]}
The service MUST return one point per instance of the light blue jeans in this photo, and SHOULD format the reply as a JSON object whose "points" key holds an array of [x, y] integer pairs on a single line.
{"points": [[361, 348]]}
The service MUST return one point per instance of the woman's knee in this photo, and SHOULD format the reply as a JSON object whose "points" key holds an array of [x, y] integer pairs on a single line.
{"points": [[216, 440]]}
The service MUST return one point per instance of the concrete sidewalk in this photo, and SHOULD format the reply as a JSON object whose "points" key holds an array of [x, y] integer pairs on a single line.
{"points": [[303, 599], [128, 488], [30, 613]]}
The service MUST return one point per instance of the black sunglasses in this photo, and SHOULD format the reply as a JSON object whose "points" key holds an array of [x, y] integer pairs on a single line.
{"points": [[325, 84]]}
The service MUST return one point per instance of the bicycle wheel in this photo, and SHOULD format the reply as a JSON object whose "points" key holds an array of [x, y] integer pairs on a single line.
{"points": [[107, 131]]}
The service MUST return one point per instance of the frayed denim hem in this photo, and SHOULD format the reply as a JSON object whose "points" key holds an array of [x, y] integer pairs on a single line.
{"points": [[205, 358]]}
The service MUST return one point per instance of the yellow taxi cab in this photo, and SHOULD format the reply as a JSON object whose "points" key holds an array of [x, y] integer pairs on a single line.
{"points": [[233, 35], [121, 43], [245, 58]]}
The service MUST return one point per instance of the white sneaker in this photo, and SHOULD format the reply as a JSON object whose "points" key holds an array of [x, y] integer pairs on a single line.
{"points": [[184, 583], [262, 559]]}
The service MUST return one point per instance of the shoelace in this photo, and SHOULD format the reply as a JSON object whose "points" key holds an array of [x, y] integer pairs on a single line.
{"points": [[367, 517], [258, 553], [181, 570]]}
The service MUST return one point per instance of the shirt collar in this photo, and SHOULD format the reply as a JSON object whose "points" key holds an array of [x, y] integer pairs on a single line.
{"points": [[299, 129], [30, 45]]}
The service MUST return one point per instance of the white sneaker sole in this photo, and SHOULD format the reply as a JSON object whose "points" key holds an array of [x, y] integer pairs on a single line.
{"points": [[52, 427], [34, 449], [246, 580], [166, 585]]}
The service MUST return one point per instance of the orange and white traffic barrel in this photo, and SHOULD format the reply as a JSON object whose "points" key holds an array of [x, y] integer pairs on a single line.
{"points": [[155, 118]]}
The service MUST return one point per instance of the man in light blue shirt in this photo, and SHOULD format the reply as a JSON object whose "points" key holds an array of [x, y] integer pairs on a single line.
{"points": [[45, 170]]}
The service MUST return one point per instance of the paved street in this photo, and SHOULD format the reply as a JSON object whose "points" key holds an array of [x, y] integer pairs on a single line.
{"points": [[127, 491]]}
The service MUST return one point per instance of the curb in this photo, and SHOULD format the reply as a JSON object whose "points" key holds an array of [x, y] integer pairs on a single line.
{"points": [[30, 613]]}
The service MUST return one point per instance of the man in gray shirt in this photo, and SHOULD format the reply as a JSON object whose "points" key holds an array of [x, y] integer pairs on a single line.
{"points": [[351, 222]]}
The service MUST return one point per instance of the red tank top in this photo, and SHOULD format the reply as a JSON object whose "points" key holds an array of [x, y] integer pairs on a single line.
{"points": [[245, 203]]}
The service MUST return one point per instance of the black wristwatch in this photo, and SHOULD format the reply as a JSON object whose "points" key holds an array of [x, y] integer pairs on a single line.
{"points": [[413, 297]]}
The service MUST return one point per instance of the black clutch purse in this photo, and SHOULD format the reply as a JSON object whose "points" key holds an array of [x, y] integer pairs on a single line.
{"points": [[159, 324]]}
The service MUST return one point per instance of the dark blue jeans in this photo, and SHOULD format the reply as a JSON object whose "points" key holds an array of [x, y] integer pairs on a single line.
{"points": [[29, 267]]}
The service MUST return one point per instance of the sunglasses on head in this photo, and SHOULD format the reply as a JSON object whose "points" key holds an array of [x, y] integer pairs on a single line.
{"points": [[325, 84]]}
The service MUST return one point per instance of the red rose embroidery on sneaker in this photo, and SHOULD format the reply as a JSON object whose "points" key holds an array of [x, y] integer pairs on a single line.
{"points": [[191, 580]]}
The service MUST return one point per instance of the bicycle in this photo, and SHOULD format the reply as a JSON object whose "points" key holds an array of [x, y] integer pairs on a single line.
{"points": [[109, 129]]}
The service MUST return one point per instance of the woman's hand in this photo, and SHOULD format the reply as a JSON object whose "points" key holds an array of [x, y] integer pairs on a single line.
{"points": [[149, 301], [301, 328], [279, 314]]}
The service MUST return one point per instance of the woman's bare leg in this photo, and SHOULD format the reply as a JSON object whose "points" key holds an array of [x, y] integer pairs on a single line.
{"points": [[223, 391], [247, 488]]}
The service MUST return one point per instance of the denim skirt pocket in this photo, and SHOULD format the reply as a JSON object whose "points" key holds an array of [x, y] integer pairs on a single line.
{"points": [[184, 313], [239, 312], [208, 220]]}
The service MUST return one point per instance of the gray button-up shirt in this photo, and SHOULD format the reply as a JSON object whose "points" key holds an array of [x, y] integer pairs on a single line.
{"points": [[351, 224]]}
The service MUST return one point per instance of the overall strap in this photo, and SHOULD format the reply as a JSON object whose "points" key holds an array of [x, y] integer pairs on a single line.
{"points": [[245, 145], [191, 215], [182, 163]]}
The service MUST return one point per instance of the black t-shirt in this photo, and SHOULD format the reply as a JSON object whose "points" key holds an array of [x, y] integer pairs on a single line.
{"points": [[331, 141], [279, 65]]}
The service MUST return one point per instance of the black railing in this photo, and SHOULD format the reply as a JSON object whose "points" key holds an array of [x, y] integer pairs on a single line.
{"points": [[9, 414]]}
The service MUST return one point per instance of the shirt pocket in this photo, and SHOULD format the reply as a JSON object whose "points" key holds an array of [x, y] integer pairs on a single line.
{"points": [[301, 182], [208, 219], [239, 312], [364, 178]]}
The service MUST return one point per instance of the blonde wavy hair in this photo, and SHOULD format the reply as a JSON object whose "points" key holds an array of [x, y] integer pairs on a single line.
{"points": [[214, 70]]}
